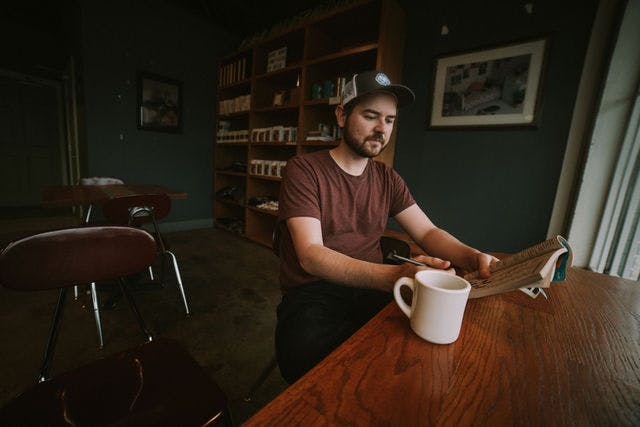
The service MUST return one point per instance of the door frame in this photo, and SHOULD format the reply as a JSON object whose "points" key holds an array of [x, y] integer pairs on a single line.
{"points": [[66, 95]]}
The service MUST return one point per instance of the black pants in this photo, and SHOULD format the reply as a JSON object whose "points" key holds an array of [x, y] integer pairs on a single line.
{"points": [[315, 318]]}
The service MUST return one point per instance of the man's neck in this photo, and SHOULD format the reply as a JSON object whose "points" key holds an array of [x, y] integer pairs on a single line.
{"points": [[350, 162]]}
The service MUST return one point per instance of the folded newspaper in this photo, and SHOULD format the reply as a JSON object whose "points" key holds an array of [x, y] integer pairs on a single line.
{"points": [[535, 267]]}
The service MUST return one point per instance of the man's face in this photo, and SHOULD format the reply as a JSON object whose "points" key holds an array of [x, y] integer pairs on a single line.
{"points": [[368, 128]]}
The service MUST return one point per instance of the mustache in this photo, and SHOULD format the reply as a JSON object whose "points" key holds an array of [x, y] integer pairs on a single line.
{"points": [[376, 137]]}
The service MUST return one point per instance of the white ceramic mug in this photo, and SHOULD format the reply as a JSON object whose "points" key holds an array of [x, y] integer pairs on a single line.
{"points": [[437, 306]]}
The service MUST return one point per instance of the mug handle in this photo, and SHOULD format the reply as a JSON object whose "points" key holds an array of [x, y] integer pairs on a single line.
{"points": [[403, 281]]}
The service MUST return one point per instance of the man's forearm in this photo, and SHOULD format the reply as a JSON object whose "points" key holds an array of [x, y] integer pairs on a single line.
{"points": [[439, 243], [333, 266]]}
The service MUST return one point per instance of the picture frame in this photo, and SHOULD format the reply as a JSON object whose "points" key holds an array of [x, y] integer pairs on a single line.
{"points": [[159, 103], [491, 87]]}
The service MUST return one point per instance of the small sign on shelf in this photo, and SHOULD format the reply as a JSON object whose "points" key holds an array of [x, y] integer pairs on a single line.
{"points": [[277, 59]]}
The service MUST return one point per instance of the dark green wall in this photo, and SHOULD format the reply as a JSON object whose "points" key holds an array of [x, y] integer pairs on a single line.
{"points": [[121, 37], [36, 38], [493, 189]]}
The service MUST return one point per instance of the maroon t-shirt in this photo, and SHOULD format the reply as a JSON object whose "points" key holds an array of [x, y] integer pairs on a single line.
{"points": [[353, 210]]}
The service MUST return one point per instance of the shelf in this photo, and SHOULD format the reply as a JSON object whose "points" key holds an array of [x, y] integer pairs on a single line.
{"points": [[263, 211], [236, 84], [266, 177], [230, 203], [345, 52], [320, 143], [288, 69], [274, 109], [236, 55], [224, 227], [321, 101], [232, 173], [238, 114], [331, 44], [274, 144]]}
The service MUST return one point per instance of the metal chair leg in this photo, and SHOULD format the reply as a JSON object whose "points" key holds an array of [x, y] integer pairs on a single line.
{"points": [[86, 219], [75, 292], [151, 273], [53, 336], [179, 279], [134, 308], [96, 313]]}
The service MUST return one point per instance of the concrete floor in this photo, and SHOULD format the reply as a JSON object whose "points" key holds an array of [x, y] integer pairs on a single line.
{"points": [[233, 292]]}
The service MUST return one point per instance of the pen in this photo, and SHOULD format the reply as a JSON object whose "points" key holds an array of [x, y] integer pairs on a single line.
{"points": [[409, 260]]}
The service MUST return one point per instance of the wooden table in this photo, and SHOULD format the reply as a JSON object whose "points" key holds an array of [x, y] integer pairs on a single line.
{"points": [[573, 359], [78, 195]]}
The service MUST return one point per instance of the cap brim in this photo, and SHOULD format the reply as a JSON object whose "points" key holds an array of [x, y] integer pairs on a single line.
{"points": [[403, 94]]}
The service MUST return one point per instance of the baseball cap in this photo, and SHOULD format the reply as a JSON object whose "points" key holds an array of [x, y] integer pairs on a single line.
{"points": [[371, 81]]}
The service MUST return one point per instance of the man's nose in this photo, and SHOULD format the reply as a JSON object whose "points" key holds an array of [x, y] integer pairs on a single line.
{"points": [[380, 126]]}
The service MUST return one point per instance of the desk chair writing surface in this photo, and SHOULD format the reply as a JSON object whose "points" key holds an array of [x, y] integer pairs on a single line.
{"points": [[155, 384], [136, 210], [97, 180], [60, 259]]}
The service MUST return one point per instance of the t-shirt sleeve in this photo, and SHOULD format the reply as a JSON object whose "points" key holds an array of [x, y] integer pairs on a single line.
{"points": [[401, 197], [299, 191]]}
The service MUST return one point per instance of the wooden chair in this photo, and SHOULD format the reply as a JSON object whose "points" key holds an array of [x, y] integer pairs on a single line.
{"points": [[155, 384], [136, 210], [60, 259]]}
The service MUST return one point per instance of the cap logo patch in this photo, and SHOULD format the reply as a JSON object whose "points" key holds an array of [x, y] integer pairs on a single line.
{"points": [[382, 79]]}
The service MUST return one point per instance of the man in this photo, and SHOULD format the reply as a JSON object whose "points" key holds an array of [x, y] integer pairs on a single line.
{"points": [[334, 207]]}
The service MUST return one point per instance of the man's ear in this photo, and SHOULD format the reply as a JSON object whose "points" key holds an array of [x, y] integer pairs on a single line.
{"points": [[341, 117]]}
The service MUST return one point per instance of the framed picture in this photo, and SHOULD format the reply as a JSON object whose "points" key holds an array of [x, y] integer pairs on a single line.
{"points": [[159, 103], [490, 87]]}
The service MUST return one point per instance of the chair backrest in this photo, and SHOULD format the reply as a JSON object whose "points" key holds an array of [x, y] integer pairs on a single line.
{"points": [[100, 180], [275, 237], [136, 209], [64, 258], [390, 246]]}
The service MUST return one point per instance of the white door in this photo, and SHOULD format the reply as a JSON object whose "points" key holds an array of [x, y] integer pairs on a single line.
{"points": [[31, 144]]}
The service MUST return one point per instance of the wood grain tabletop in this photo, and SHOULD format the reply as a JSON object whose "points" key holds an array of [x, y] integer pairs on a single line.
{"points": [[573, 359]]}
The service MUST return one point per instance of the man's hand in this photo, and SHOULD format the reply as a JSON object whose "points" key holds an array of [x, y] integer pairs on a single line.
{"points": [[410, 270], [482, 262], [435, 263]]}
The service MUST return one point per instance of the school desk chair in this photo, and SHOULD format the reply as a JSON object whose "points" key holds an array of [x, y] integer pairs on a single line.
{"points": [[137, 210], [155, 384], [60, 259]]}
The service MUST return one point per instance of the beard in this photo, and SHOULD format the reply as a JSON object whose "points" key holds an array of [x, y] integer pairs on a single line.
{"points": [[362, 148]]}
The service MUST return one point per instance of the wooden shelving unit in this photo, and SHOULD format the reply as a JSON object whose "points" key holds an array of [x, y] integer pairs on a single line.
{"points": [[361, 36]]}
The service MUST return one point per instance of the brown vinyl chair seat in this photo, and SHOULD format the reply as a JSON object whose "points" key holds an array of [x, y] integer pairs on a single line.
{"points": [[60, 259], [155, 384]]}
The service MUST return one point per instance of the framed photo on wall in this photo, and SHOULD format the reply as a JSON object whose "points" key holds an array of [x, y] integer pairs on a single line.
{"points": [[159, 103], [492, 87]]}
